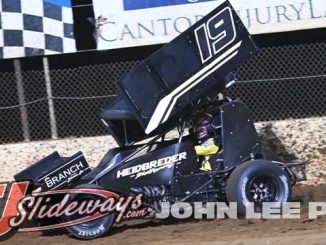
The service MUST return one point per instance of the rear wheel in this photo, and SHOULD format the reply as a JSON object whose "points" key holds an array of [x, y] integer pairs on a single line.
{"points": [[256, 182]]}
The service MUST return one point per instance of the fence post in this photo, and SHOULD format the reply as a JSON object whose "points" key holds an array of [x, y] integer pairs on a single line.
{"points": [[22, 100], [53, 123]]}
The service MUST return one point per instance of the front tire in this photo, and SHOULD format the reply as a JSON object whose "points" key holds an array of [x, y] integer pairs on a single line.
{"points": [[256, 182], [92, 229]]}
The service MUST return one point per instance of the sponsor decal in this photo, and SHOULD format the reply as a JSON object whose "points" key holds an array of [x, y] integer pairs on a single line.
{"points": [[66, 175], [19, 210], [71, 170], [152, 166], [130, 23]]}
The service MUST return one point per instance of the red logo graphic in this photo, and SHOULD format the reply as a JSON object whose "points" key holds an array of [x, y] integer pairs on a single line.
{"points": [[17, 208]]}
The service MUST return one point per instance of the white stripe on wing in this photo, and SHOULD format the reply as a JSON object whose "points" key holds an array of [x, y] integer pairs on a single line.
{"points": [[166, 105]]}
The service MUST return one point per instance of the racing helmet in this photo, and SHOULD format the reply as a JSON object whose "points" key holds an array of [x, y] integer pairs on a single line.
{"points": [[203, 129]]}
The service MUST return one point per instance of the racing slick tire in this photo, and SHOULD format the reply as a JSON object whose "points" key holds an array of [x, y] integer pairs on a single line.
{"points": [[258, 181], [92, 229]]}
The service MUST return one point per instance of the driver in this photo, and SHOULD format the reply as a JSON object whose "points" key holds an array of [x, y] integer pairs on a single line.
{"points": [[204, 133]]}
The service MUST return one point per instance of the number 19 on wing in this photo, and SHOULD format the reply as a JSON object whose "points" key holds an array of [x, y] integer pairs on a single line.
{"points": [[216, 34]]}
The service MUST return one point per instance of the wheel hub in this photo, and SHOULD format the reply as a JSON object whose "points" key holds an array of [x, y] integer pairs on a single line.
{"points": [[262, 189]]}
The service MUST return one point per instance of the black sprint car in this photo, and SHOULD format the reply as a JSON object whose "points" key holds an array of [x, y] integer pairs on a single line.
{"points": [[215, 154]]}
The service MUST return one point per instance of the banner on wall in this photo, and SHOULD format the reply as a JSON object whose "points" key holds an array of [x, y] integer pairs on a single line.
{"points": [[128, 23], [35, 27]]}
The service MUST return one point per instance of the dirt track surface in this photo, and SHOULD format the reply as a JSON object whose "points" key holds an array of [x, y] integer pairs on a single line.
{"points": [[299, 231]]}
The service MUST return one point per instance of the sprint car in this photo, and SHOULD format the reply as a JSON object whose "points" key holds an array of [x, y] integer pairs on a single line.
{"points": [[180, 138]]}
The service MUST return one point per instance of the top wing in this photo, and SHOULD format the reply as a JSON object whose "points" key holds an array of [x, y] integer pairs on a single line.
{"points": [[190, 65]]}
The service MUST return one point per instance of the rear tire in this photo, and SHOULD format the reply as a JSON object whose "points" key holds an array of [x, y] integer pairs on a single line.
{"points": [[255, 182]]}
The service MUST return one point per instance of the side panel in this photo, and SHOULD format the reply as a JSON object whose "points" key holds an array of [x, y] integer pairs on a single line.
{"points": [[240, 137], [187, 184], [155, 168]]}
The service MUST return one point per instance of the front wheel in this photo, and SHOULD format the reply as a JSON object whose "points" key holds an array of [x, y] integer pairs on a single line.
{"points": [[256, 182], [91, 229]]}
